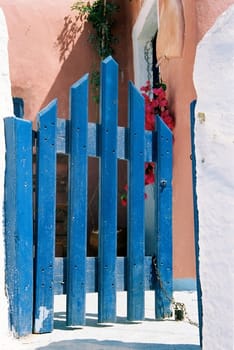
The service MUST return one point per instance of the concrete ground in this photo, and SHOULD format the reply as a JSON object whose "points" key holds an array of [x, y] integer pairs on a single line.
{"points": [[149, 334]]}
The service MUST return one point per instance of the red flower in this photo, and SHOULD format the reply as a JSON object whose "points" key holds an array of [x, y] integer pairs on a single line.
{"points": [[155, 103], [146, 87], [124, 201], [126, 188], [163, 102], [159, 92], [167, 118], [149, 122], [149, 173]]}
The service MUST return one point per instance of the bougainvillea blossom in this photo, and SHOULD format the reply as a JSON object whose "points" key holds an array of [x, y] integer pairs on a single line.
{"points": [[149, 173]]}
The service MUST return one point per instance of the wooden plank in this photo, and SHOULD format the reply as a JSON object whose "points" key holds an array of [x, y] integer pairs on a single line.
{"points": [[60, 279], [60, 276], [136, 239], [18, 106], [45, 219], [122, 134], [162, 261], [93, 141], [108, 192], [150, 146], [77, 203], [92, 274], [196, 220], [19, 224], [62, 136], [122, 142]]}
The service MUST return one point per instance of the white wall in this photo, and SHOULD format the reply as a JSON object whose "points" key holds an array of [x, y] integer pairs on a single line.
{"points": [[6, 109], [214, 143], [143, 31]]}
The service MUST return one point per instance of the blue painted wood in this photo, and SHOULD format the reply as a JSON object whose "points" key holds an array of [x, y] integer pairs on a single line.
{"points": [[108, 192], [93, 141], [18, 105], [77, 209], [136, 238], [62, 137], [196, 219], [163, 250], [45, 219], [19, 224], [92, 274], [60, 275]]}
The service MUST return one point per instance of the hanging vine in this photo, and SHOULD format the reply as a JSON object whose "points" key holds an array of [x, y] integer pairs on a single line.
{"points": [[101, 15]]}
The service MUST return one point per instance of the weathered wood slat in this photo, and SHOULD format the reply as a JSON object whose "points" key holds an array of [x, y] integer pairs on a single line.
{"points": [[136, 238], [107, 249], [77, 203], [93, 141], [62, 138], [19, 223], [45, 220], [60, 281], [163, 234]]}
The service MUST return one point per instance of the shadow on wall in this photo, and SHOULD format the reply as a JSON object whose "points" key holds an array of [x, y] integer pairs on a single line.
{"points": [[78, 58], [66, 40], [88, 344]]}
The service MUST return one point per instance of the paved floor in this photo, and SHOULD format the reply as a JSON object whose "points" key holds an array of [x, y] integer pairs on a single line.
{"points": [[149, 334]]}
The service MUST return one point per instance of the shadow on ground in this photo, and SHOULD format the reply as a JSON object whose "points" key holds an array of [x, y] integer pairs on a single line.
{"points": [[91, 344], [91, 321]]}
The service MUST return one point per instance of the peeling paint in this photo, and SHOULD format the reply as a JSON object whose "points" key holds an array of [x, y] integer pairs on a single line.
{"points": [[43, 314]]}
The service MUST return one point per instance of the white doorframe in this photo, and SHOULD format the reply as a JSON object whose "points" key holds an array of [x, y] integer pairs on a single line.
{"points": [[144, 30]]}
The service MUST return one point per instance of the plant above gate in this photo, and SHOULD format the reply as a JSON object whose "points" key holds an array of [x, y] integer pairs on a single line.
{"points": [[100, 15]]}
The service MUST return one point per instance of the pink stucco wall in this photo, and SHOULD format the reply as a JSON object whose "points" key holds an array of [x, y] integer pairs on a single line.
{"points": [[207, 13], [45, 50]]}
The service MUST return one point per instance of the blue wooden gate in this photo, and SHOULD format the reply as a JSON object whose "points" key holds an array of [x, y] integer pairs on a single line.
{"points": [[33, 274]]}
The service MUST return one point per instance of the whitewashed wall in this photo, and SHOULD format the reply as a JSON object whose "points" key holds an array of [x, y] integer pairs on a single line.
{"points": [[214, 143], [143, 31], [6, 109]]}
